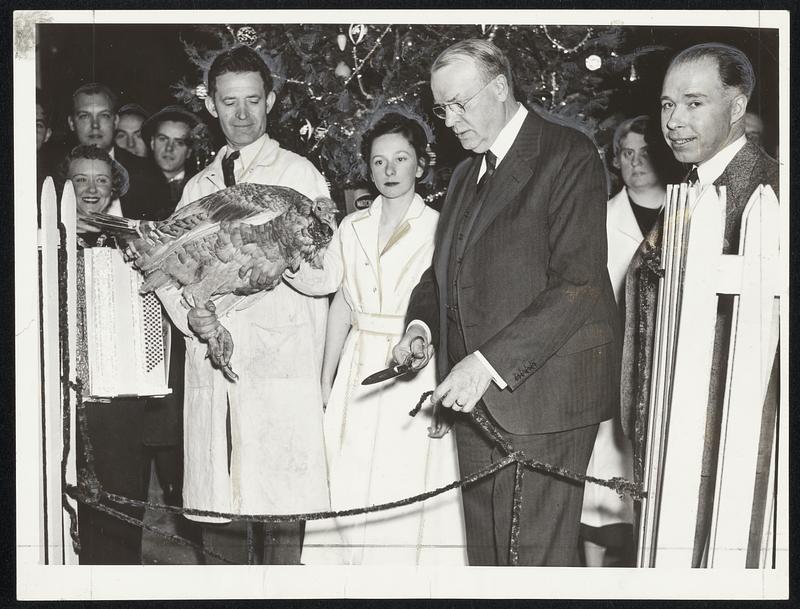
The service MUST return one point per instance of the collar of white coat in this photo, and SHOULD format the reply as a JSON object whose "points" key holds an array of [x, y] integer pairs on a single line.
{"points": [[708, 171], [414, 210], [115, 208], [620, 216], [366, 224], [256, 154], [505, 139]]}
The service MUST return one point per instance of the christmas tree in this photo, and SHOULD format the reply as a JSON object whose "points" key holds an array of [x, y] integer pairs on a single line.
{"points": [[332, 80]]}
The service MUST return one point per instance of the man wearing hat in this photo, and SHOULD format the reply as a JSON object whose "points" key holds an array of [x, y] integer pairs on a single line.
{"points": [[169, 132], [128, 134]]}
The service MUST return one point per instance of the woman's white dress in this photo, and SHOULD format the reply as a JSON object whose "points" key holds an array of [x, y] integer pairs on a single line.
{"points": [[376, 452]]}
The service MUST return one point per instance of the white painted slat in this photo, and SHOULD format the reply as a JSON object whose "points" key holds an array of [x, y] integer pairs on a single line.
{"points": [[652, 461], [683, 455], [752, 350], [68, 213], [51, 360]]}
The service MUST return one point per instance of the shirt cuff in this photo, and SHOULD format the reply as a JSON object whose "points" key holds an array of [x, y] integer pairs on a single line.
{"points": [[498, 380], [419, 322]]}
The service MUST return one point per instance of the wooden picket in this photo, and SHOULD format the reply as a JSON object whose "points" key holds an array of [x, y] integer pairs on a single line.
{"points": [[695, 273], [51, 361], [754, 340], [68, 219]]}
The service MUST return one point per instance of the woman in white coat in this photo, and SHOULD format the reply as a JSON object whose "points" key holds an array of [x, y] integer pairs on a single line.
{"points": [[376, 452], [607, 520]]}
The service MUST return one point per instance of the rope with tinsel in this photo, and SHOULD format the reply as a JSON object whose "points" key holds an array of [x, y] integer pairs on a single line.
{"points": [[89, 489], [66, 386], [91, 492]]}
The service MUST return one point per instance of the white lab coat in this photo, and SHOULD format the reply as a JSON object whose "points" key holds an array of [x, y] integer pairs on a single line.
{"points": [[277, 460]]}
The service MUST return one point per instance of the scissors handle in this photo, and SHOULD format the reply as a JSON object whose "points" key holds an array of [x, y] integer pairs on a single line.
{"points": [[411, 357]]}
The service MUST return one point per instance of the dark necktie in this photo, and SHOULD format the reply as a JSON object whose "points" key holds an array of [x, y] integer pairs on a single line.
{"points": [[227, 168], [692, 178], [491, 163], [175, 190]]}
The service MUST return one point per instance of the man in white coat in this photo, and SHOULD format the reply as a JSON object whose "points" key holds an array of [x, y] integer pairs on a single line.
{"points": [[607, 518], [255, 446]]}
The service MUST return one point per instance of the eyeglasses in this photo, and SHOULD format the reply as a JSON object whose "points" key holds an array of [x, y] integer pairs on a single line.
{"points": [[457, 108]]}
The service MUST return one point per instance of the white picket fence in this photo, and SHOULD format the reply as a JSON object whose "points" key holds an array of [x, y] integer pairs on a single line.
{"points": [[52, 513], [695, 272]]}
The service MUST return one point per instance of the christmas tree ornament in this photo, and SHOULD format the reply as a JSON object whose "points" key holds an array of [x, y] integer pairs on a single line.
{"points": [[633, 76], [306, 130], [342, 70], [246, 35], [593, 62], [341, 41], [357, 32], [564, 49], [431, 156], [320, 132], [201, 91]]}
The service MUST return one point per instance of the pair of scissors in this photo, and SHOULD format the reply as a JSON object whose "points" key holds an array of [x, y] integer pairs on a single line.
{"points": [[394, 371]]}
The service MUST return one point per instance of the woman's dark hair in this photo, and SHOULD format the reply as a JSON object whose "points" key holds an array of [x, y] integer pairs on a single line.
{"points": [[119, 175], [410, 129]]}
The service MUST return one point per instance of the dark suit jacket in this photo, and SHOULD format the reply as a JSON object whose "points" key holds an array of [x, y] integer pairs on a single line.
{"points": [[747, 170], [147, 192], [533, 291]]}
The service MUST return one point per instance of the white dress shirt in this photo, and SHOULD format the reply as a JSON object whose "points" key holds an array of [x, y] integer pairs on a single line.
{"points": [[500, 147], [710, 170]]}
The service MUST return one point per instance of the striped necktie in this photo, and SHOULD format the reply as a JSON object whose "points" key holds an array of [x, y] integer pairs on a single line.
{"points": [[491, 163]]}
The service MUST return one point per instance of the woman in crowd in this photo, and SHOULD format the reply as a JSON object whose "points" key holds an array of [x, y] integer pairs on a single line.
{"points": [[607, 519], [99, 181], [114, 428], [376, 452]]}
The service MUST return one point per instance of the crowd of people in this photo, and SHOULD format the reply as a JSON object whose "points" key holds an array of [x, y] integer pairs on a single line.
{"points": [[510, 302]]}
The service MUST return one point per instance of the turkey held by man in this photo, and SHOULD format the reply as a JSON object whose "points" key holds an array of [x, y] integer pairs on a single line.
{"points": [[236, 241]]}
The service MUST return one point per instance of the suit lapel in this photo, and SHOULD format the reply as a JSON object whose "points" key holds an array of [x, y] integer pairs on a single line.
{"points": [[511, 176], [736, 176], [456, 203]]}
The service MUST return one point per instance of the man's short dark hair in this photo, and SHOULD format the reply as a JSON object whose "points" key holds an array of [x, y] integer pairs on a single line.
{"points": [[238, 59], [94, 88], [733, 66]]}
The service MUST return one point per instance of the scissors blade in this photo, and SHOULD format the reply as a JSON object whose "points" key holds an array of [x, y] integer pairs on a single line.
{"points": [[386, 374]]}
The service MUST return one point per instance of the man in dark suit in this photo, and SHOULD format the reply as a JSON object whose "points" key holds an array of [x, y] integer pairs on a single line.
{"points": [[703, 115], [169, 132], [519, 305], [94, 120]]}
